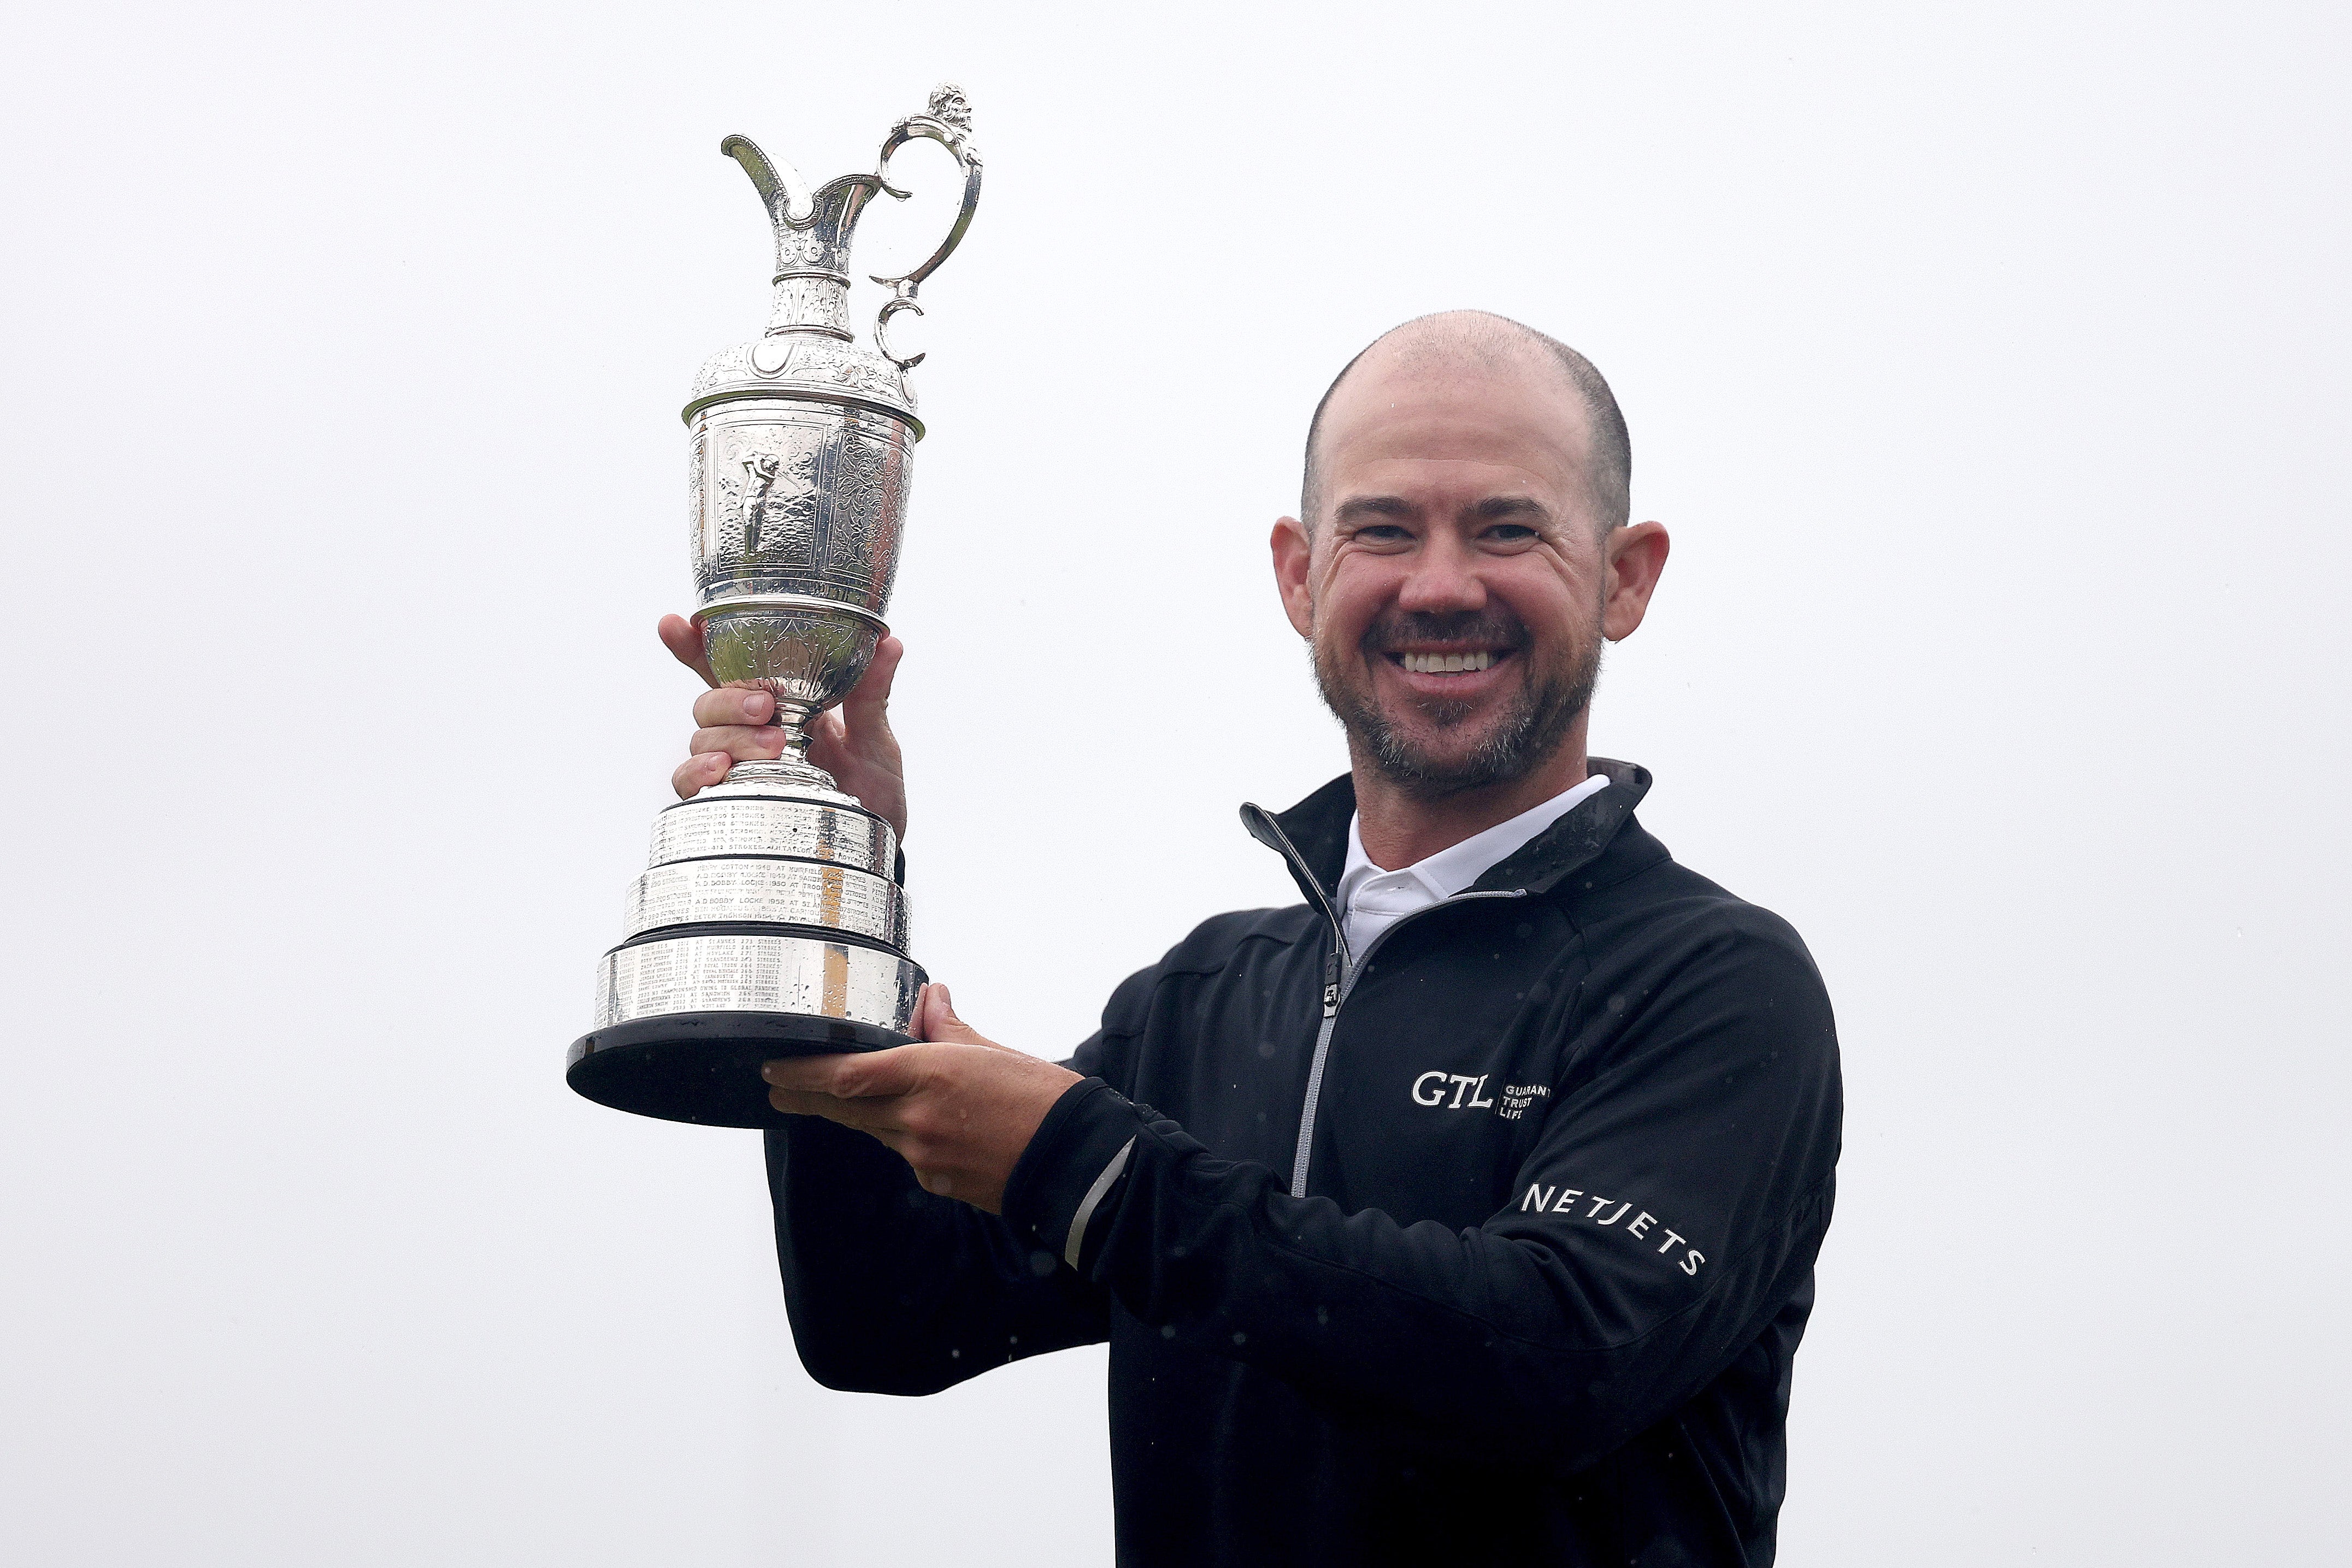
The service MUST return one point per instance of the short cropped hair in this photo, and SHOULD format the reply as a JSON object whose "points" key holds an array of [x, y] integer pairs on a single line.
{"points": [[1477, 335]]}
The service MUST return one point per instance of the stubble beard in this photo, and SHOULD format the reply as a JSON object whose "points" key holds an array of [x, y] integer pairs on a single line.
{"points": [[1522, 738]]}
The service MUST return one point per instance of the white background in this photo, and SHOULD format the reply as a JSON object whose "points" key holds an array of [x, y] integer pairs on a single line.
{"points": [[1988, 363]]}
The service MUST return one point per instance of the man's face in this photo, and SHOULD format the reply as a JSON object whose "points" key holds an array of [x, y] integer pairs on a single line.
{"points": [[1453, 588]]}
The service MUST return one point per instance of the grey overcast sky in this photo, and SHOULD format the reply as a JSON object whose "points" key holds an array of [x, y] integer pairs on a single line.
{"points": [[1988, 362]]}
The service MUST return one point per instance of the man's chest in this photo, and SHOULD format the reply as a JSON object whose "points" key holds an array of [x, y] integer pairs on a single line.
{"points": [[1434, 1077]]}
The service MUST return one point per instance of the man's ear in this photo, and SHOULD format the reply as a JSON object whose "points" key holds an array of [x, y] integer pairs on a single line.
{"points": [[1293, 553], [1636, 557]]}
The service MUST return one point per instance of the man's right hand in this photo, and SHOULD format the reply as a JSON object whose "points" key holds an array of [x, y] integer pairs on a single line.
{"points": [[853, 743]]}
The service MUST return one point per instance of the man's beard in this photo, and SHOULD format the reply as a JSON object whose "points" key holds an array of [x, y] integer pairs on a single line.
{"points": [[1523, 737]]}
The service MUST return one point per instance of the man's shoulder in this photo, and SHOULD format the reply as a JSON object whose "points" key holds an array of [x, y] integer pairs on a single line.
{"points": [[1676, 964], [1660, 903], [1218, 942]]}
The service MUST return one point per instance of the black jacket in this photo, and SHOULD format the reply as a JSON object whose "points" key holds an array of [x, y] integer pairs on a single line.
{"points": [[1568, 1149]]}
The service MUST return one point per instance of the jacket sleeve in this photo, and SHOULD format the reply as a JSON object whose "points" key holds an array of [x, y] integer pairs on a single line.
{"points": [[892, 1289], [1671, 1205]]}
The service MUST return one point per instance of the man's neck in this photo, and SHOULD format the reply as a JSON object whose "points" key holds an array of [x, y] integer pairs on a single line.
{"points": [[1400, 829]]}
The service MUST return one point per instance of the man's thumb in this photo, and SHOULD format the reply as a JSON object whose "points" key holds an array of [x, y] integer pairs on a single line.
{"points": [[685, 644], [940, 1023], [872, 692]]}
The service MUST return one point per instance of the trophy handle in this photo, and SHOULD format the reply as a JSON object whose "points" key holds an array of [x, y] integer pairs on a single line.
{"points": [[949, 124]]}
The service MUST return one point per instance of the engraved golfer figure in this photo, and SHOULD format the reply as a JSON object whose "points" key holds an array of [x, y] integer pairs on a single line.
{"points": [[764, 467]]}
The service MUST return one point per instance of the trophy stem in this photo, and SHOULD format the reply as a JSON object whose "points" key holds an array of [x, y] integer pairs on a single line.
{"points": [[793, 767]]}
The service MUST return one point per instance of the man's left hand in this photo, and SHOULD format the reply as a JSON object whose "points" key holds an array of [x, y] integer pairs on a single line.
{"points": [[957, 1106]]}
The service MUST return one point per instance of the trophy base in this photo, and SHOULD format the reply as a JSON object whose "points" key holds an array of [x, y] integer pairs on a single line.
{"points": [[704, 1068], [684, 1017]]}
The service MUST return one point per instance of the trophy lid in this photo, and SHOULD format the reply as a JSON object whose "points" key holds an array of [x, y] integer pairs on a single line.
{"points": [[808, 350]]}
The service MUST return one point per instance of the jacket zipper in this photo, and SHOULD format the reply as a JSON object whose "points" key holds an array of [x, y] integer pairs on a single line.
{"points": [[1338, 980]]}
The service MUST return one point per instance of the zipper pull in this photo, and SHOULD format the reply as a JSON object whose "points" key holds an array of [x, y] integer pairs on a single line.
{"points": [[1331, 983]]}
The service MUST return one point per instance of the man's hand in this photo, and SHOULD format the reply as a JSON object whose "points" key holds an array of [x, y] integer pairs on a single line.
{"points": [[958, 1108], [853, 743]]}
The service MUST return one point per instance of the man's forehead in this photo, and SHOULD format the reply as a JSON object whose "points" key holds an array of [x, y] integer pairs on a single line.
{"points": [[1451, 423], [1412, 486]]}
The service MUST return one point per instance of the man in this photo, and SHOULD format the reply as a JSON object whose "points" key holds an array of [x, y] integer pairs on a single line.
{"points": [[1466, 1212]]}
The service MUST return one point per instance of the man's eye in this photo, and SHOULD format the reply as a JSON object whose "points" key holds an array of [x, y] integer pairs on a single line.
{"points": [[1382, 533], [1511, 533]]}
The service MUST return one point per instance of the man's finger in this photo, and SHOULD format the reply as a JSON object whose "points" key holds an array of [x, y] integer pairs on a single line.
{"points": [[825, 729], [685, 644], [744, 743], [848, 1075], [725, 705], [871, 695], [877, 1117], [807, 1102], [698, 773]]}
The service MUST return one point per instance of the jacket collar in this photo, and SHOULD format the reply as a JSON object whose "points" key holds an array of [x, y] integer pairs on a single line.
{"points": [[1312, 836]]}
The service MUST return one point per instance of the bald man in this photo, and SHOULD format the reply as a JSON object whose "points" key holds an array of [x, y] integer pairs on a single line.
{"points": [[1463, 1213]]}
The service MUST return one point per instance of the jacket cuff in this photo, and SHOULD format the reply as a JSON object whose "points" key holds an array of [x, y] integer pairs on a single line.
{"points": [[1068, 1181]]}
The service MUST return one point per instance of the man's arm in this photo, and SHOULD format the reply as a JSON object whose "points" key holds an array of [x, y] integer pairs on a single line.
{"points": [[1673, 1206], [892, 1289]]}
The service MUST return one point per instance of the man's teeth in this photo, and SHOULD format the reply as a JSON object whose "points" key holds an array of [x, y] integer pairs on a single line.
{"points": [[1446, 663]]}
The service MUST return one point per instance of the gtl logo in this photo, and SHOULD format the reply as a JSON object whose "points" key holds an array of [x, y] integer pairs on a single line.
{"points": [[1435, 1082]]}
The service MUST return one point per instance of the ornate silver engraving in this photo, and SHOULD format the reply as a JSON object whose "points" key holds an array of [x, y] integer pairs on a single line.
{"points": [[796, 498], [802, 447]]}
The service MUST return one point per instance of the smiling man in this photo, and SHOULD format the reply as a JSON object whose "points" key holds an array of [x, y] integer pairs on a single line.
{"points": [[1463, 1213]]}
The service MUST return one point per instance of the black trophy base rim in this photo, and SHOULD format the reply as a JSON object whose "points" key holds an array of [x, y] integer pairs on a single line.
{"points": [[704, 1068]]}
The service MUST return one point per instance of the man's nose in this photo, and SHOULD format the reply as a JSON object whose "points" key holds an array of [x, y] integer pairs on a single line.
{"points": [[1444, 577]]}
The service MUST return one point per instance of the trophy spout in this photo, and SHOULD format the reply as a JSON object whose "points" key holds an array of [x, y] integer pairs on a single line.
{"points": [[814, 228], [814, 232]]}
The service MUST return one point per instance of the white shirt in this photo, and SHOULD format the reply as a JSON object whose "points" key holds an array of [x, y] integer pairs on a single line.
{"points": [[1372, 900]]}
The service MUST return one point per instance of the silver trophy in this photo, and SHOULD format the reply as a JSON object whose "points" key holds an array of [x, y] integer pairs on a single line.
{"points": [[769, 920]]}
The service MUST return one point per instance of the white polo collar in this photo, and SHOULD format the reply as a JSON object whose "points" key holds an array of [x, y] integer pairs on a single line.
{"points": [[1372, 900]]}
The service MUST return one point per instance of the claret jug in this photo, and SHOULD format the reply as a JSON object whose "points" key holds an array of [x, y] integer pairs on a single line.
{"points": [[770, 920]]}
